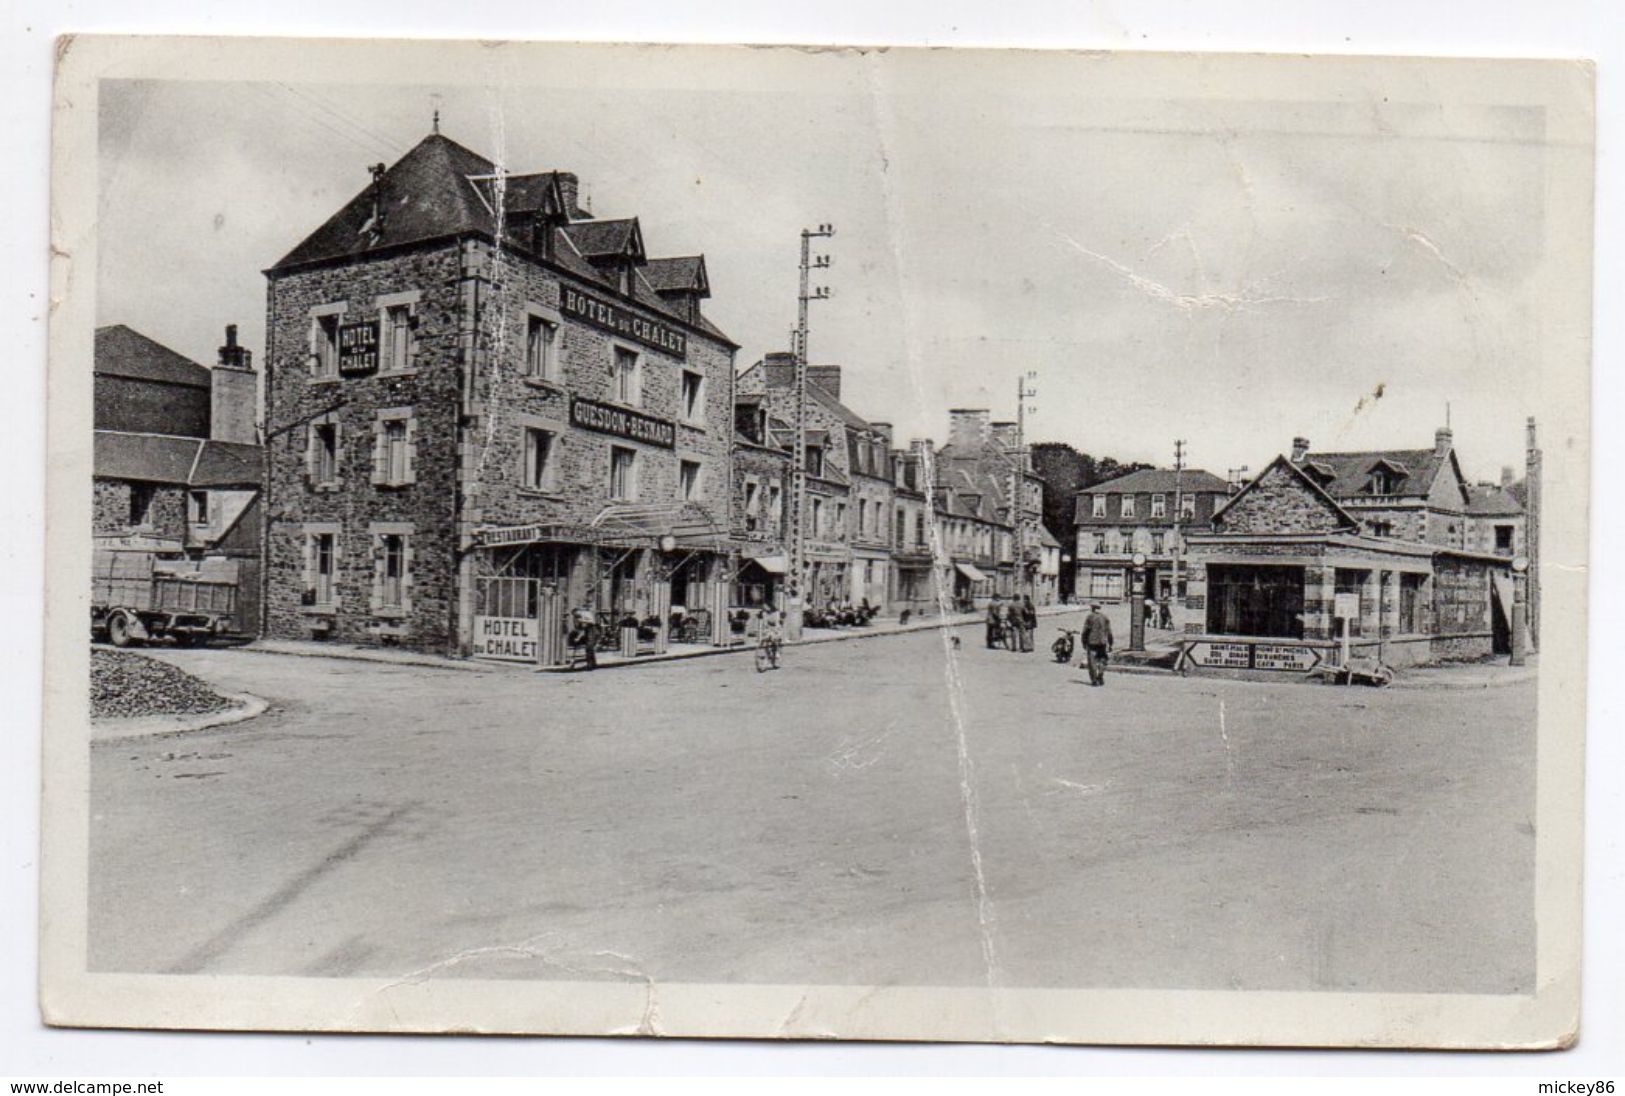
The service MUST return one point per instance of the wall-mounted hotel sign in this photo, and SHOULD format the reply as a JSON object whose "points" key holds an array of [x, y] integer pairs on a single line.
{"points": [[618, 321], [358, 348], [623, 423]]}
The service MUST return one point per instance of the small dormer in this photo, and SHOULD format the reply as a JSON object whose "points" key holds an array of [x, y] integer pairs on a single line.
{"points": [[1385, 477], [681, 282], [615, 248]]}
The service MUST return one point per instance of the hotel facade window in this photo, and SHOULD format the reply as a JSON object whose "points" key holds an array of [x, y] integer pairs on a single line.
{"points": [[391, 583], [324, 454], [141, 496], [688, 479], [627, 378], [394, 442], [1159, 506], [623, 478], [1126, 507], [1097, 506], [325, 345], [323, 564], [538, 468], [541, 348], [693, 396]]}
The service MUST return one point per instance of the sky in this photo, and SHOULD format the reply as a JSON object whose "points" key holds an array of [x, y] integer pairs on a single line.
{"points": [[1229, 271]]}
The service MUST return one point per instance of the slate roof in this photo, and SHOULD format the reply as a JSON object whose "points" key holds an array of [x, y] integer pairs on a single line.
{"points": [[678, 274], [1345, 474], [598, 238], [1490, 500], [440, 190], [123, 352], [161, 458], [228, 464], [1158, 481]]}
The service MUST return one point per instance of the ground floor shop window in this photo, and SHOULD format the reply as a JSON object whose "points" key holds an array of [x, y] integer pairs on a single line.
{"points": [[1106, 584], [1247, 600], [1410, 603], [1353, 582]]}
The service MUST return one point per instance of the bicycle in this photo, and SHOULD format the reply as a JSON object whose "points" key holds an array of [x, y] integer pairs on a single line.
{"points": [[767, 652]]}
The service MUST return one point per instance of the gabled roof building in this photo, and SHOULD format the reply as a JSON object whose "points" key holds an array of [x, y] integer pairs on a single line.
{"points": [[488, 409]]}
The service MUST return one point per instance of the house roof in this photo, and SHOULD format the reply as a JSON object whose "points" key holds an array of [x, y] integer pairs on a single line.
{"points": [[228, 464], [1492, 500], [684, 273], [124, 352], [161, 458], [440, 190], [1345, 474], [1305, 478], [1159, 481]]}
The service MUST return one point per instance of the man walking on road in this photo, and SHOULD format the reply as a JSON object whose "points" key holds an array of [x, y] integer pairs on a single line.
{"points": [[1097, 643]]}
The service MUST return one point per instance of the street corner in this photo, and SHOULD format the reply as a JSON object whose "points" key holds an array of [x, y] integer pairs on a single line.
{"points": [[244, 707]]}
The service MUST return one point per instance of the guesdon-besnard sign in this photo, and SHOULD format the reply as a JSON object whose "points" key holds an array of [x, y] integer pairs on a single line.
{"points": [[606, 418]]}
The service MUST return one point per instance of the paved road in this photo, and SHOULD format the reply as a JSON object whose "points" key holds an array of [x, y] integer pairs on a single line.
{"points": [[880, 811]]}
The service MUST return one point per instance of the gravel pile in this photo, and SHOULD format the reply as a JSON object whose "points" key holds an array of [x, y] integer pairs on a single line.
{"points": [[124, 685]]}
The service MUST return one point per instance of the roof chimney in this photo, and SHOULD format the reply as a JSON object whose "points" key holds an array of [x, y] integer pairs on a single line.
{"points": [[827, 377], [1442, 439], [234, 394], [1300, 449], [968, 427], [1506, 476]]}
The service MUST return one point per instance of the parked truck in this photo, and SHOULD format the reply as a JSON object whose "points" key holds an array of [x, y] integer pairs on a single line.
{"points": [[140, 594]]}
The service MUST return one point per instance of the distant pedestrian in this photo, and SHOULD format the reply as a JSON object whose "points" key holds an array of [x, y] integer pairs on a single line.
{"points": [[993, 622], [585, 635], [1165, 612], [1029, 623], [1097, 643]]}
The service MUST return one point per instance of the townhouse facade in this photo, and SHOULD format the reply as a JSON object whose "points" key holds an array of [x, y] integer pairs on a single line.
{"points": [[1151, 513], [486, 408]]}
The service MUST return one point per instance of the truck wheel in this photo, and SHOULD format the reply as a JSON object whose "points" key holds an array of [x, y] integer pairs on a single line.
{"points": [[118, 630]]}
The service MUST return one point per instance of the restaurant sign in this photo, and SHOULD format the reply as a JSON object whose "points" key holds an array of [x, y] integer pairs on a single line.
{"points": [[358, 348], [618, 321], [623, 423], [505, 639]]}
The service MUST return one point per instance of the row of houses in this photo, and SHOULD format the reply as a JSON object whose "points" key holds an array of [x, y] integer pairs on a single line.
{"points": [[1394, 548], [484, 408]]}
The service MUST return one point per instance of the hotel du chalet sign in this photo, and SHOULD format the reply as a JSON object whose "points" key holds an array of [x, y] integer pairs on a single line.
{"points": [[618, 321]]}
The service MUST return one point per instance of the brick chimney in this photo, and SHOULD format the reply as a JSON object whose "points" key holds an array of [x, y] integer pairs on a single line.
{"points": [[779, 369], [1442, 439], [1300, 449], [827, 377], [968, 428], [1004, 435], [234, 394], [884, 430], [570, 191]]}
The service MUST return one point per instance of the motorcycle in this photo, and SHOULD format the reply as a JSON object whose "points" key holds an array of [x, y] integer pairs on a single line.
{"points": [[1064, 646]]}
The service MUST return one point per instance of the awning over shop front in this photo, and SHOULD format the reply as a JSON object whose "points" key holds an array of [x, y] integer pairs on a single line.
{"points": [[969, 571], [686, 523], [619, 525], [773, 565]]}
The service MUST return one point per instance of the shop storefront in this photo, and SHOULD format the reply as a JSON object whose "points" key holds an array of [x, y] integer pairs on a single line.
{"points": [[652, 576], [1286, 580]]}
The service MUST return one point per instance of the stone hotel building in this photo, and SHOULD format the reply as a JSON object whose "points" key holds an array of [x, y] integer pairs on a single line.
{"points": [[486, 408]]}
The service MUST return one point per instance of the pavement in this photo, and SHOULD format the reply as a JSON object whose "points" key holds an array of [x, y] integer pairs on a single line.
{"points": [[905, 812]]}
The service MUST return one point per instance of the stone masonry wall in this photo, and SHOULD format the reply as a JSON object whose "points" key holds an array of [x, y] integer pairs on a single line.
{"points": [[508, 402], [1279, 502], [294, 397], [166, 517]]}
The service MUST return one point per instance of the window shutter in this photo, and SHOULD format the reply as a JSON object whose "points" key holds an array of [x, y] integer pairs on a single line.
{"points": [[376, 600], [406, 572], [310, 454], [411, 450], [380, 453], [310, 562]]}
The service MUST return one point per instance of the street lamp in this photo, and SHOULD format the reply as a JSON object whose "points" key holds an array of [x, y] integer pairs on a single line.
{"points": [[1136, 608]]}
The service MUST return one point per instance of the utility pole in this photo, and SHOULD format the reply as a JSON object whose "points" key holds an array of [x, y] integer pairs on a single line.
{"points": [[798, 494], [1179, 512], [1018, 486]]}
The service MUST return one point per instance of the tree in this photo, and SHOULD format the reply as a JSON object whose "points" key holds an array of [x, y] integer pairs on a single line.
{"points": [[1065, 473]]}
